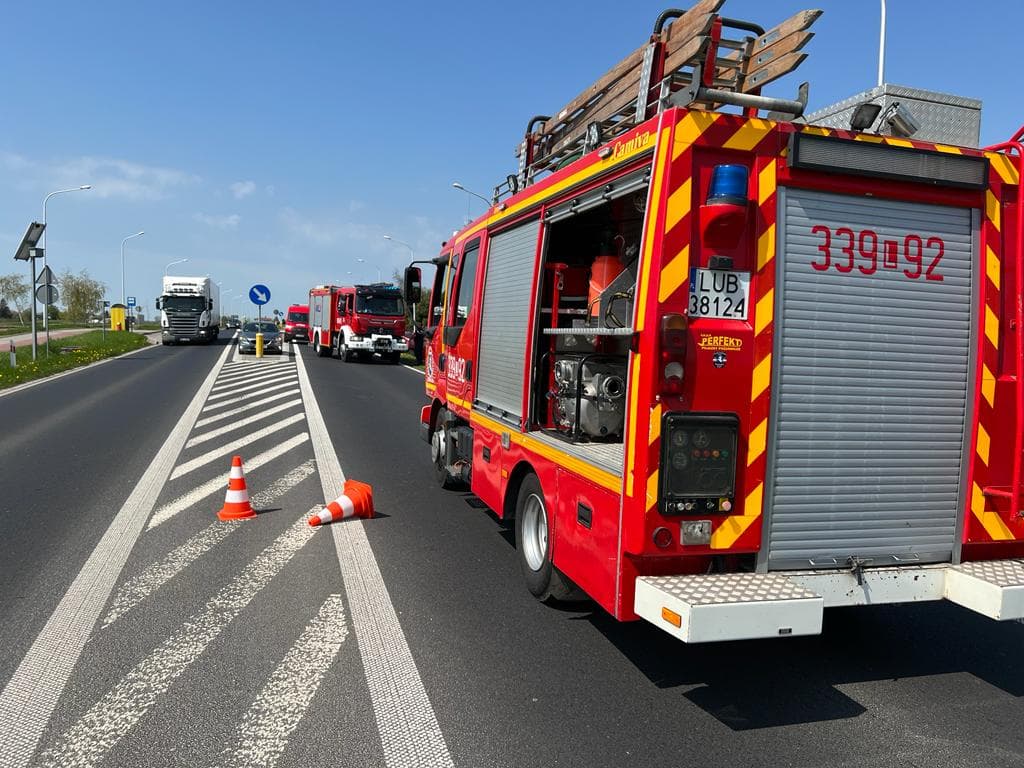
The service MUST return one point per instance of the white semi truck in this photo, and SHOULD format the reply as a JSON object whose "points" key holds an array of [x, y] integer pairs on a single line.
{"points": [[189, 309]]}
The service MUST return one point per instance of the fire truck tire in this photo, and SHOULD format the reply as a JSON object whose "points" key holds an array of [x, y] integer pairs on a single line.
{"points": [[342, 351], [320, 349], [441, 473], [395, 358], [533, 546]]}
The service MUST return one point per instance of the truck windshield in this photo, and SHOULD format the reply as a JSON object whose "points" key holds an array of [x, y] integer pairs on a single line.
{"points": [[298, 317], [380, 305], [184, 303]]}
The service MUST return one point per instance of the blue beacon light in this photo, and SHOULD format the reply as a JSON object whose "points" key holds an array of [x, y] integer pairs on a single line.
{"points": [[728, 185]]}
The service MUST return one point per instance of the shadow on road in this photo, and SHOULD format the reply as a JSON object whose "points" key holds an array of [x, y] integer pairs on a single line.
{"points": [[762, 684]]}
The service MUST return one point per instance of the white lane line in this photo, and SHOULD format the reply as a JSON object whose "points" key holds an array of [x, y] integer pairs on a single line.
{"points": [[276, 712], [249, 377], [249, 387], [241, 378], [136, 590], [414, 370], [215, 433], [29, 698], [409, 732], [106, 723], [240, 409], [244, 398], [223, 450], [180, 504]]}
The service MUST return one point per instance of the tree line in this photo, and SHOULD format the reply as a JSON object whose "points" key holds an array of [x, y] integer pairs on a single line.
{"points": [[81, 297]]}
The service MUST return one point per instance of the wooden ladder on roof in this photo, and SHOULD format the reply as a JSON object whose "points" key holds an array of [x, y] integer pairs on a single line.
{"points": [[689, 61]]}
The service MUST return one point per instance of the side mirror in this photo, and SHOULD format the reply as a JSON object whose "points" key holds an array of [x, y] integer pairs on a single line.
{"points": [[209, 304], [413, 279], [159, 304]]}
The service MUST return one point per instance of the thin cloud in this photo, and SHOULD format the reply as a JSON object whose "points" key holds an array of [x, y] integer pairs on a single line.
{"points": [[228, 221], [112, 177], [242, 189]]}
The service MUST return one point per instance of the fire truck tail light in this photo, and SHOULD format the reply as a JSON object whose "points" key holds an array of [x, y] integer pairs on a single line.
{"points": [[662, 538], [673, 382], [673, 351], [673, 335]]}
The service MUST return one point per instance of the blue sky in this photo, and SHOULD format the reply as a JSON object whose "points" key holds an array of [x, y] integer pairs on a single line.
{"points": [[278, 143]]}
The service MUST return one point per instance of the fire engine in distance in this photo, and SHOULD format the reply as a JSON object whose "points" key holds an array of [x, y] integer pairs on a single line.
{"points": [[358, 321]]}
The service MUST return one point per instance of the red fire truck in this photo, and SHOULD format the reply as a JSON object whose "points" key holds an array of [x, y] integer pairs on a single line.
{"points": [[725, 371], [358, 321]]}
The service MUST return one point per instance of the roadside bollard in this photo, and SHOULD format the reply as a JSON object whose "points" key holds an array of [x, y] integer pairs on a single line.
{"points": [[259, 345], [14, 356]]}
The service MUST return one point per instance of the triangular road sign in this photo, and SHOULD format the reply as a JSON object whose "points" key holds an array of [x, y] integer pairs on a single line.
{"points": [[45, 277]]}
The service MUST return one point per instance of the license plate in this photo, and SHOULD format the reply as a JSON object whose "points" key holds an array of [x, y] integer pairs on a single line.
{"points": [[719, 293]]}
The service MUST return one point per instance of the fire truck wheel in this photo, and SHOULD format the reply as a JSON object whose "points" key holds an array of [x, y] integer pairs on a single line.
{"points": [[437, 452], [533, 545], [342, 351]]}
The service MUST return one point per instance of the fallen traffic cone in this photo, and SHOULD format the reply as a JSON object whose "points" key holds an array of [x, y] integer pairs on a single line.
{"points": [[236, 501], [355, 501]]}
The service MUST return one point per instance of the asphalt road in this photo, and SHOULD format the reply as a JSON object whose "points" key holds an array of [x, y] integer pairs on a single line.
{"points": [[209, 651]]}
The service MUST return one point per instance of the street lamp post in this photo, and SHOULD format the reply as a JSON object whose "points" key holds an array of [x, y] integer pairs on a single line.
{"points": [[457, 185], [137, 234], [46, 307], [171, 264]]}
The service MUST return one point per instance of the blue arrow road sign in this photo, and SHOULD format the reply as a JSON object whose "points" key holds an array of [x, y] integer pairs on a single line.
{"points": [[259, 294]]}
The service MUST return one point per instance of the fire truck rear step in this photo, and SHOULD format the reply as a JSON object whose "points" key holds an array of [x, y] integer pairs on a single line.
{"points": [[993, 588], [746, 606], [728, 606]]}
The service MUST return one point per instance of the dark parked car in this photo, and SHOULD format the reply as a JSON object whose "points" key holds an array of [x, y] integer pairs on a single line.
{"points": [[271, 337]]}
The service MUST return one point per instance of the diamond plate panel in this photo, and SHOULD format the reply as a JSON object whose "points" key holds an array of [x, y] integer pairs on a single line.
{"points": [[1001, 573], [728, 588], [944, 118]]}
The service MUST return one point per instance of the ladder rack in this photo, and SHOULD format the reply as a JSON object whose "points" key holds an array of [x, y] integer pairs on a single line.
{"points": [[689, 61]]}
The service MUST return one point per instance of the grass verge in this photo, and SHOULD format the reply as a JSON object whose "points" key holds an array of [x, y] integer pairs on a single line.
{"points": [[408, 358], [82, 349]]}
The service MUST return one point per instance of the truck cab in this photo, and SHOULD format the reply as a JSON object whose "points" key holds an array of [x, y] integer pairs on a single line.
{"points": [[189, 310]]}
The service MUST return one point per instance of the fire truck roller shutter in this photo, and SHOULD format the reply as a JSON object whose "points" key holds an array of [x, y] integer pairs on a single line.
{"points": [[871, 388], [505, 314]]}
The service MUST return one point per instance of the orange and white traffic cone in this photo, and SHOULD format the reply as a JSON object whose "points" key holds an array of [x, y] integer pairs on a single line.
{"points": [[355, 501], [236, 501]]}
